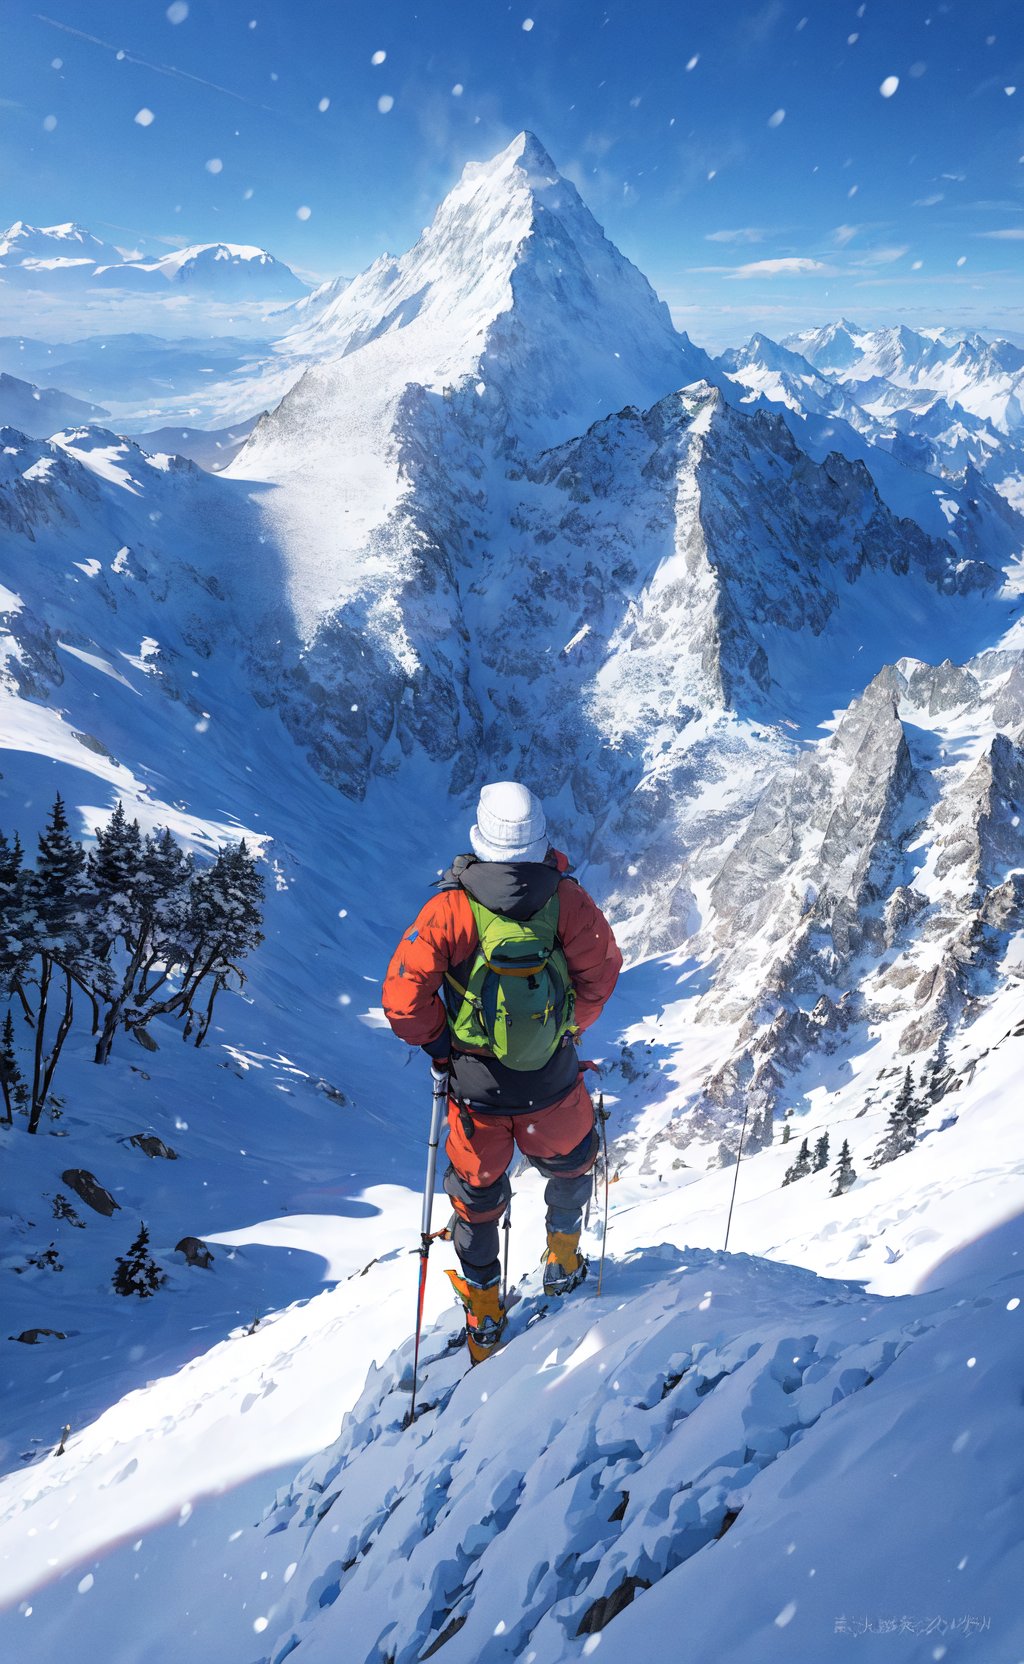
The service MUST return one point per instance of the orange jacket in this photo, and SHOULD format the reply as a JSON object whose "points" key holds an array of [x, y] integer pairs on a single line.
{"points": [[445, 934]]}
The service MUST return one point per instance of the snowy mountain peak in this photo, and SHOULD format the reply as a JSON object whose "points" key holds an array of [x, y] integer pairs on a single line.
{"points": [[23, 235], [53, 256], [525, 155], [514, 296]]}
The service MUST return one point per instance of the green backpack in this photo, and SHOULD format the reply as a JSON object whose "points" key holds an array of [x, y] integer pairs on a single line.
{"points": [[517, 1002]]}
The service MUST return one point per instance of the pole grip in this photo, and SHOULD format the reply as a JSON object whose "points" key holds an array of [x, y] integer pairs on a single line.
{"points": [[438, 1106]]}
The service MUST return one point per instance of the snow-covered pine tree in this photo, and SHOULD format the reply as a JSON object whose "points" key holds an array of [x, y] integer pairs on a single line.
{"points": [[115, 869], [223, 925], [801, 1166], [59, 891], [11, 1078], [142, 904], [938, 1074], [843, 1174], [17, 922], [137, 1272], [901, 1128], [820, 1154]]}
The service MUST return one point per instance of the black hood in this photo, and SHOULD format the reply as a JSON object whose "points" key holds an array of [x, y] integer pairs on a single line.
{"points": [[516, 889]]}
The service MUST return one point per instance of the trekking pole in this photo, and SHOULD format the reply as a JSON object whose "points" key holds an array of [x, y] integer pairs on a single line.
{"points": [[440, 1080], [736, 1174], [602, 1115], [504, 1268]]}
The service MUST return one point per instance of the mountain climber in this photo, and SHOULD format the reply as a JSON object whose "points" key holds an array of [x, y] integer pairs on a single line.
{"points": [[525, 961]]}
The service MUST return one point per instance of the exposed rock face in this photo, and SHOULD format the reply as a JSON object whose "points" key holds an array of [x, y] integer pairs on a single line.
{"points": [[986, 834], [87, 1186], [880, 878], [196, 1251], [150, 1145]]}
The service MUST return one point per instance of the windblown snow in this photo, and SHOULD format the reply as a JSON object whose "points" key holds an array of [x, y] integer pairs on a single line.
{"points": [[751, 628]]}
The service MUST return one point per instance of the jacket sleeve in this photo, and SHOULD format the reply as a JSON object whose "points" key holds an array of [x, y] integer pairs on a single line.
{"points": [[591, 951], [438, 938]]}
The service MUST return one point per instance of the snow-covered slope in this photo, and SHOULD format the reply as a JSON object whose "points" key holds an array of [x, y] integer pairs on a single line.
{"points": [[721, 1448]]}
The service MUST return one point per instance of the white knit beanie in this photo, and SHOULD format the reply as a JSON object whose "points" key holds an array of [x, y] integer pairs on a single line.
{"points": [[510, 824]]}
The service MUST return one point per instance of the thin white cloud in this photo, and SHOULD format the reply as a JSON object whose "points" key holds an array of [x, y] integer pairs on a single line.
{"points": [[929, 201], [844, 234], [792, 265], [884, 256], [742, 234], [1012, 234]]}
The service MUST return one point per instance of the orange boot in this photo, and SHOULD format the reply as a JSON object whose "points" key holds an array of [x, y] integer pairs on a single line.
{"points": [[485, 1315], [564, 1265]]}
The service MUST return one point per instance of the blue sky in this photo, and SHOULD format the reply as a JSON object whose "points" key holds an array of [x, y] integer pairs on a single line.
{"points": [[742, 154]]}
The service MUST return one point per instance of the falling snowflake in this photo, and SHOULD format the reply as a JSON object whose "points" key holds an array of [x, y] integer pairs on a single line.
{"points": [[144, 117], [458, 90], [177, 11], [777, 118], [303, 213], [527, 24], [49, 123], [378, 57], [889, 86], [694, 61], [962, 260], [324, 105], [385, 104], [215, 165]]}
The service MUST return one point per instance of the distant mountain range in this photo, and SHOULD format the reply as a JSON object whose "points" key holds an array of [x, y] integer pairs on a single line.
{"points": [[62, 258], [40, 411]]}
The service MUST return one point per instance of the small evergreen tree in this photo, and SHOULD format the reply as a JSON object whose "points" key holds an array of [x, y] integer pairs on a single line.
{"points": [[843, 1175], [60, 895], [63, 1209], [801, 1166], [11, 1080], [17, 922], [222, 925], [901, 1128], [937, 1075], [137, 1272], [820, 1153], [787, 1132]]}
